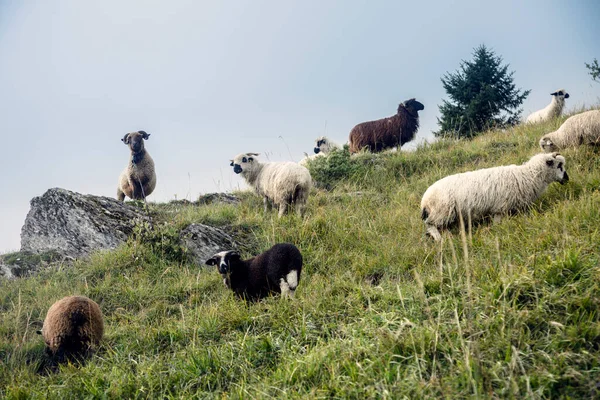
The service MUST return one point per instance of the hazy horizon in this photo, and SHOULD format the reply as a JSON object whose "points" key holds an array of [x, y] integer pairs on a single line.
{"points": [[211, 80]]}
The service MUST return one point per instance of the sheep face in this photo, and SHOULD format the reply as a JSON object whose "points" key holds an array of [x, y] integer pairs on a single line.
{"points": [[412, 105], [322, 144], [548, 145], [560, 94], [135, 140], [243, 162], [224, 261], [555, 164]]}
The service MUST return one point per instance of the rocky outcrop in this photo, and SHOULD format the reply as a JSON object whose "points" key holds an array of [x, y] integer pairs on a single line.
{"points": [[203, 241], [75, 225], [63, 226], [22, 263]]}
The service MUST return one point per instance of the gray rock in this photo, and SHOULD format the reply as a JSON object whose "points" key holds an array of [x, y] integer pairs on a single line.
{"points": [[22, 263], [75, 225], [203, 241], [223, 198]]}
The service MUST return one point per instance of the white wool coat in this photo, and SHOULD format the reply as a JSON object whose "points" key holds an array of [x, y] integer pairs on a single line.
{"points": [[552, 110], [281, 183], [577, 130], [489, 192]]}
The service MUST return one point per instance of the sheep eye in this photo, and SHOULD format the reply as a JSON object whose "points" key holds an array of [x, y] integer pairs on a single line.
{"points": [[560, 93], [250, 159], [549, 163], [244, 159]]}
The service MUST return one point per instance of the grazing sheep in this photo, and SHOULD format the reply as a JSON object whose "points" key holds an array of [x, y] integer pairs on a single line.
{"points": [[387, 132], [73, 327], [138, 179], [277, 270], [577, 130], [323, 146], [552, 110], [280, 183], [489, 192]]}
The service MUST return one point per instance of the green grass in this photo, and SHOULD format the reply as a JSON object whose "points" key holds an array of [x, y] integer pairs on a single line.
{"points": [[509, 309]]}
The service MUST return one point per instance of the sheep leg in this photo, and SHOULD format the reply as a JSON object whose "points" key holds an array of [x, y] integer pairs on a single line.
{"points": [[282, 209], [286, 291], [267, 204], [120, 195], [434, 232]]}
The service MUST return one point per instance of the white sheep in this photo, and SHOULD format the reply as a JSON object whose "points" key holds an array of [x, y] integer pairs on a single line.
{"points": [[552, 110], [323, 146], [577, 130], [280, 183], [490, 192], [138, 179]]}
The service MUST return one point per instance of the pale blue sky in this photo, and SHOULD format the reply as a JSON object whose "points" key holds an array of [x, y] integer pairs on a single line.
{"points": [[212, 79]]}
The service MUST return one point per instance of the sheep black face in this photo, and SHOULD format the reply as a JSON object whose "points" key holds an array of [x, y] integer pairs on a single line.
{"points": [[243, 162], [413, 104], [320, 142], [556, 163], [224, 261], [135, 140], [560, 93]]}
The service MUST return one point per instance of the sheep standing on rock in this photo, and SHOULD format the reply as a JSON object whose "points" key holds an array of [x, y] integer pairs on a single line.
{"points": [[489, 192], [281, 183], [277, 270], [138, 179], [323, 146], [73, 327], [552, 110], [387, 132], [577, 130]]}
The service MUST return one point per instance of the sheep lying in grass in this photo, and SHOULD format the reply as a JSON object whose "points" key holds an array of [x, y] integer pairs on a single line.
{"points": [[552, 110], [387, 132], [577, 130], [280, 183], [489, 192], [73, 327], [138, 179], [323, 146], [277, 270]]}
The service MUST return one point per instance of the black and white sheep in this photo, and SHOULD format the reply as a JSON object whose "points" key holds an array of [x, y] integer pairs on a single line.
{"points": [[552, 110], [388, 132], [73, 327], [580, 129], [281, 183], [138, 179], [323, 147], [489, 192], [277, 270]]}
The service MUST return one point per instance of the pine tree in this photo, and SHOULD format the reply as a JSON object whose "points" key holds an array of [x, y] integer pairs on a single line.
{"points": [[594, 68], [482, 96]]}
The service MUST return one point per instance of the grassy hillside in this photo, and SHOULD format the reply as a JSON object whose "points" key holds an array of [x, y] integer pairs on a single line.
{"points": [[508, 310]]}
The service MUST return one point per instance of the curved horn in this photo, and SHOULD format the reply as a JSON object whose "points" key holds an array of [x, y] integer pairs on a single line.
{"points": [[125, 138], [144, 134]]}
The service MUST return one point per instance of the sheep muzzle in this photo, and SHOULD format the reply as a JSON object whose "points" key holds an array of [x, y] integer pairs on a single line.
{"points": [[237, 168], [317, 150], [565, 178]]}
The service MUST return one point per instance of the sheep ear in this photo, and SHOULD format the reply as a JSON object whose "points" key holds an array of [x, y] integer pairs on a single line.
{"points": [[144, 134], [125, 139], [211, 261], [553, 94], [231, 164]]}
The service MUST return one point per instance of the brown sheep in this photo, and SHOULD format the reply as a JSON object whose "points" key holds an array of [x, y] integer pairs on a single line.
{"points": [[388, 132], [138, 179], [73, 327]]}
